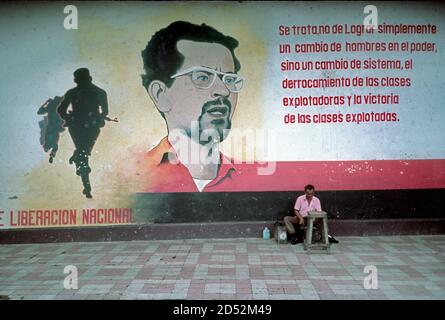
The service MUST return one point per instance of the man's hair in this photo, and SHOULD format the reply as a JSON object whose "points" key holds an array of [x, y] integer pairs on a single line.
{"points": [[82, 76], [308, 187], [161, 57]]}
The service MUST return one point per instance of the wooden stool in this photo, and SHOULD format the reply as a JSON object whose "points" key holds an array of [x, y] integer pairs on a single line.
{"points": [[324, 245]]}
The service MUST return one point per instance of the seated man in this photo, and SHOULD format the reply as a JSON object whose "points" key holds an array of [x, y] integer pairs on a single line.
{"points": [[304, 204]]}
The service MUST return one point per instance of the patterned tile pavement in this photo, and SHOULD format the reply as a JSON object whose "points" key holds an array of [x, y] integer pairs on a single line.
{"points": [[408, 267]]}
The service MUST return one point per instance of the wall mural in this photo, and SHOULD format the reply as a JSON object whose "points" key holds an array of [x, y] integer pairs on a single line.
{"points": [[202, 112]]}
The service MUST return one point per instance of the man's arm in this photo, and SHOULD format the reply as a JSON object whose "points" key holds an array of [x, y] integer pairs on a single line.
{"points": [[297, 208], [297, 213], [42, 109], [104, 104], [63, 106], [318, 205]]}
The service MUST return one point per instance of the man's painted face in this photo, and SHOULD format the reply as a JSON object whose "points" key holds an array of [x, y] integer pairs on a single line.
{"points": [[211, 107]]}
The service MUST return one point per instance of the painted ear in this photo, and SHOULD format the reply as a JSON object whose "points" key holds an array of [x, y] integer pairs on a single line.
{"points": [[157, 91]]}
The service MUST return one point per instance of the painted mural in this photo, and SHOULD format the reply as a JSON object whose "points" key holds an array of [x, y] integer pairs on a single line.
{"points": [[128, 113]]}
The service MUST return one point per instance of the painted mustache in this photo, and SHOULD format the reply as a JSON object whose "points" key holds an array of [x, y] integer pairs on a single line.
{"points": [[217, 108]]}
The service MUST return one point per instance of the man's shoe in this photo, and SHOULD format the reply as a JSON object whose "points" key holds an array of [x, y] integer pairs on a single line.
{"points": [[87, 193], [294, 239], [332, 239]]}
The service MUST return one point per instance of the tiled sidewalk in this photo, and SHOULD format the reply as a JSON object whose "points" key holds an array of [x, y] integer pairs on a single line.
{"points": [[409, 267]]}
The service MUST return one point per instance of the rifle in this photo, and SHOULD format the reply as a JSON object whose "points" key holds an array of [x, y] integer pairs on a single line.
{"points": [[109, 119], [97, 123]]}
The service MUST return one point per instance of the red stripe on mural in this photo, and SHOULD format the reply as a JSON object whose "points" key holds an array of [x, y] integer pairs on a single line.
{"points": [[354, 175]]}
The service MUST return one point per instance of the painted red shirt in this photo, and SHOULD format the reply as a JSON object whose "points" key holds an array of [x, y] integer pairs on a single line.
{"points": [[157, 174]]}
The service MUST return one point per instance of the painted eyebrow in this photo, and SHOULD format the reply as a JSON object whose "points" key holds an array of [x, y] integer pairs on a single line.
{"points": [[219, 69]]}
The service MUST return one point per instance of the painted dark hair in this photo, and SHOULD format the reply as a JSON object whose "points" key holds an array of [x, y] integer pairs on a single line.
{"points": [[161, 57]]}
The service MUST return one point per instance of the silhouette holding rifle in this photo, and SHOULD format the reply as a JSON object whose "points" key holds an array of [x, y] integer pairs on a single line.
{"points": [[50, 126], [89, 112]]}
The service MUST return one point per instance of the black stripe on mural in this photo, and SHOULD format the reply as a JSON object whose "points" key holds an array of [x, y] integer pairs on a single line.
{"points": [[269, 206]]}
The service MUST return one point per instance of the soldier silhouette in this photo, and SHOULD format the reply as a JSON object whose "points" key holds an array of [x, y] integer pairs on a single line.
{"points": [[50, 126], [89, 112]]}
